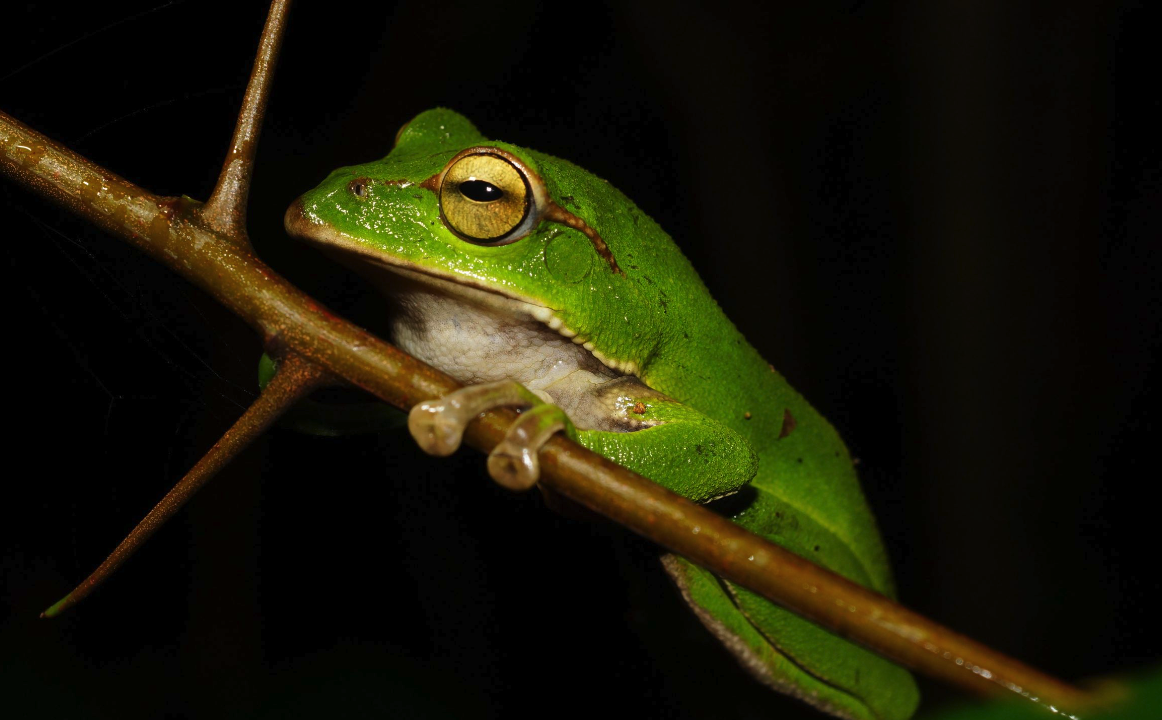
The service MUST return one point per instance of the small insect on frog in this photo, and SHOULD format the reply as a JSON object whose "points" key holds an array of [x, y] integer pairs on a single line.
{"points": [[541, 287]]}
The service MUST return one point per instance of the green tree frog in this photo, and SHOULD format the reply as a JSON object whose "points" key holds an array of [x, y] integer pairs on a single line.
{"points": [[541, 286]]}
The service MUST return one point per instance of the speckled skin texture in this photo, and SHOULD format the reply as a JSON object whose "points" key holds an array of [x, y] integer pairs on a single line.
{"points": [[715, 413]]}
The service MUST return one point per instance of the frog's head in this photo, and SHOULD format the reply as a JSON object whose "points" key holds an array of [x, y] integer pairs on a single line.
{"points": [[525, 229]]}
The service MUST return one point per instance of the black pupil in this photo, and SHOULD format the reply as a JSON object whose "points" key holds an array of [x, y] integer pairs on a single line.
{"points": [[480, 191]]}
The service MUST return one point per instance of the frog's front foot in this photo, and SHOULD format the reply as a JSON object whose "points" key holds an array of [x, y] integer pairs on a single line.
{"points": [[438, 427]]}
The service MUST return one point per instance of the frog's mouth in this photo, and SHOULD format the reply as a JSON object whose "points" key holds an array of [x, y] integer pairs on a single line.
{"points": [[359, 257]]}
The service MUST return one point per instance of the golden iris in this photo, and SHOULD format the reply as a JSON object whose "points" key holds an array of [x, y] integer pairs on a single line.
{"points": [[484, 197]]}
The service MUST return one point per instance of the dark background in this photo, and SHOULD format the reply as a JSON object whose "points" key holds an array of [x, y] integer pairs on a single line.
{"points": [[941, 221]]}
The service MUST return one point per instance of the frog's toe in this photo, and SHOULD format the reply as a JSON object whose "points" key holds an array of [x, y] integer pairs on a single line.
{"points": [[513, 467], [513, 462], [436, 427]]}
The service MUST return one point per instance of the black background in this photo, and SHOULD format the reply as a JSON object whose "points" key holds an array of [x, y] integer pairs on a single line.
{"points": [[939, 220]]}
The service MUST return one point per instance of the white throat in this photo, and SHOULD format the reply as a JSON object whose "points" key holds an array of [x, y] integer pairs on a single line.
{"points": [[479, 340]]}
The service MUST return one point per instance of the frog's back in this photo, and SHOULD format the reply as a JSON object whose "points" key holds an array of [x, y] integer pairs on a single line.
{"points": [[696, 355], [805, 496]]}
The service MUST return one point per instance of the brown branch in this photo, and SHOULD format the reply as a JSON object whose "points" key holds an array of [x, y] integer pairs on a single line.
{"points": [[186, 237], [295, 379]]}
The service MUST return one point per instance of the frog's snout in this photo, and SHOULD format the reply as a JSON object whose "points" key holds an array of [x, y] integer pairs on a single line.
{"points": [[302, 223], [295, 220]]}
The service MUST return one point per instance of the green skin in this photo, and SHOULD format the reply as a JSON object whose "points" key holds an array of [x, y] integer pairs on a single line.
{"points": [[726, 408]]}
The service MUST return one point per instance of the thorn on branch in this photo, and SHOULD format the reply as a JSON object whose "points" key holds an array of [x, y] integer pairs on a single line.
{"points": [[225, 211], [295, 378]]}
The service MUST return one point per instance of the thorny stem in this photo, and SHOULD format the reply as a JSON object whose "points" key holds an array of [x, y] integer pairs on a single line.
{"points": [[295, 379], [225, 211], [207, 245]]}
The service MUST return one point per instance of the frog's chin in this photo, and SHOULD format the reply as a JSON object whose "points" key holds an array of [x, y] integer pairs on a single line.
{"points": [[381, 268]]}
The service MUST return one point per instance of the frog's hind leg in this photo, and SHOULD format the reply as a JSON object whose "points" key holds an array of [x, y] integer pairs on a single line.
{"points": [[712, 603], [438, 427]]}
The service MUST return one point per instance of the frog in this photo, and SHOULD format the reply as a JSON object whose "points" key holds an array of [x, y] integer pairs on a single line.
{"points": [[540, 286]]}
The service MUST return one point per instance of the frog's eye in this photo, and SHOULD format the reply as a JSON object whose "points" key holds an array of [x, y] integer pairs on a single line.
{"points": [[484, 198]]}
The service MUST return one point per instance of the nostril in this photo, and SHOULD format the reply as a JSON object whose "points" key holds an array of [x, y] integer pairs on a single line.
{"points": [[359, 187]]}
